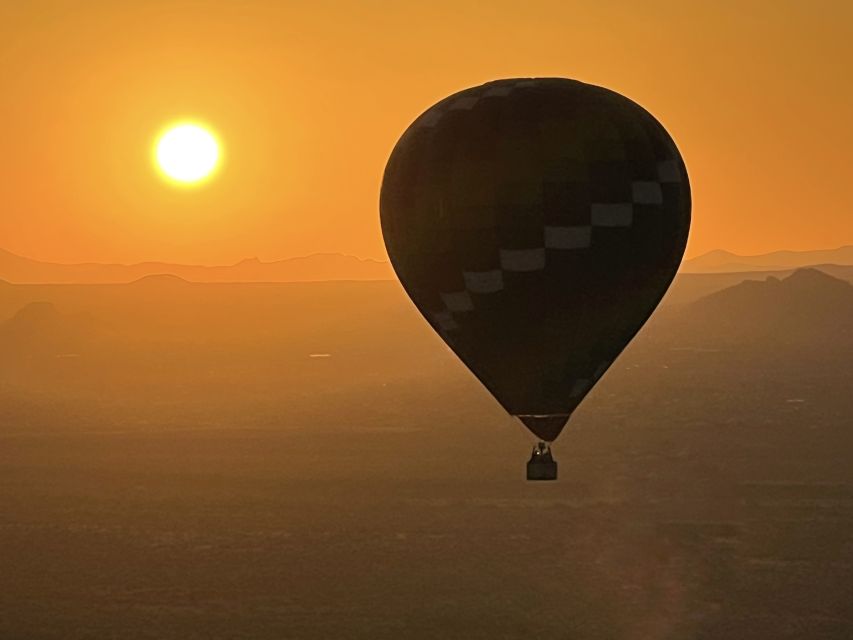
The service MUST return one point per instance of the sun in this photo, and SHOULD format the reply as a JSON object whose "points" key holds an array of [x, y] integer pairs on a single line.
{"points": [[187, 153]]}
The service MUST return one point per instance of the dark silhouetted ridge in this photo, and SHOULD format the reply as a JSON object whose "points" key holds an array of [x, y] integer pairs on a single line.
{"points": [[813, 280], [809, 306]]}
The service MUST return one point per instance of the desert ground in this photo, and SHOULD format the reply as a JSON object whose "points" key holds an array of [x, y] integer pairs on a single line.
{"points": [[182, 461]]}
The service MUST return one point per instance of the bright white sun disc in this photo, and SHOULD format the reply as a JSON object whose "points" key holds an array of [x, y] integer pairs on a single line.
{"points": [[187, 153]]}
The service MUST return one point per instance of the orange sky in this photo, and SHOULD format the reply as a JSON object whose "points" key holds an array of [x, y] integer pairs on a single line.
{"points": [[310, 97]]}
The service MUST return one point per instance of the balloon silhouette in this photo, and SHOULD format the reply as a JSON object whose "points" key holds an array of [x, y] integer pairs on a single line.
{"points": [[536, 224]]}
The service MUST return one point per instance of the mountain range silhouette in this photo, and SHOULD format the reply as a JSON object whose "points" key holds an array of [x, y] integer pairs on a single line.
{"points": [[808, 308], [322, 267], [312, 268], [720, 261]]}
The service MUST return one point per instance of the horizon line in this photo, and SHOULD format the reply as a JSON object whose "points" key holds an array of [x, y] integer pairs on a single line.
{"points": [[357, 257], [191, 264]]}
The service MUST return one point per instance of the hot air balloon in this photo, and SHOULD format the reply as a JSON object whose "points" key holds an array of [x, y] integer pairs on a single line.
{"points": [[536, 223]]}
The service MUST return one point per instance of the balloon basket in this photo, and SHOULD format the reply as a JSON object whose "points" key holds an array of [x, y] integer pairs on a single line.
{"points": [[541, 465]]}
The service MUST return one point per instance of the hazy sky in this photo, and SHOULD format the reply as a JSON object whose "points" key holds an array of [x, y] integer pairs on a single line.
{"points": [[310, 97]]}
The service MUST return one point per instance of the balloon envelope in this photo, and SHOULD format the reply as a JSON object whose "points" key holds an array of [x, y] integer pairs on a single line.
{"points": [[536, 224]]}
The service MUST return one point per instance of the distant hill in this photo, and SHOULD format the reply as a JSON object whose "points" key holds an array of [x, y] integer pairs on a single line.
{"points": [[809, 307], [313, 268], [164, 279], [38, 328], [724, 261]]}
